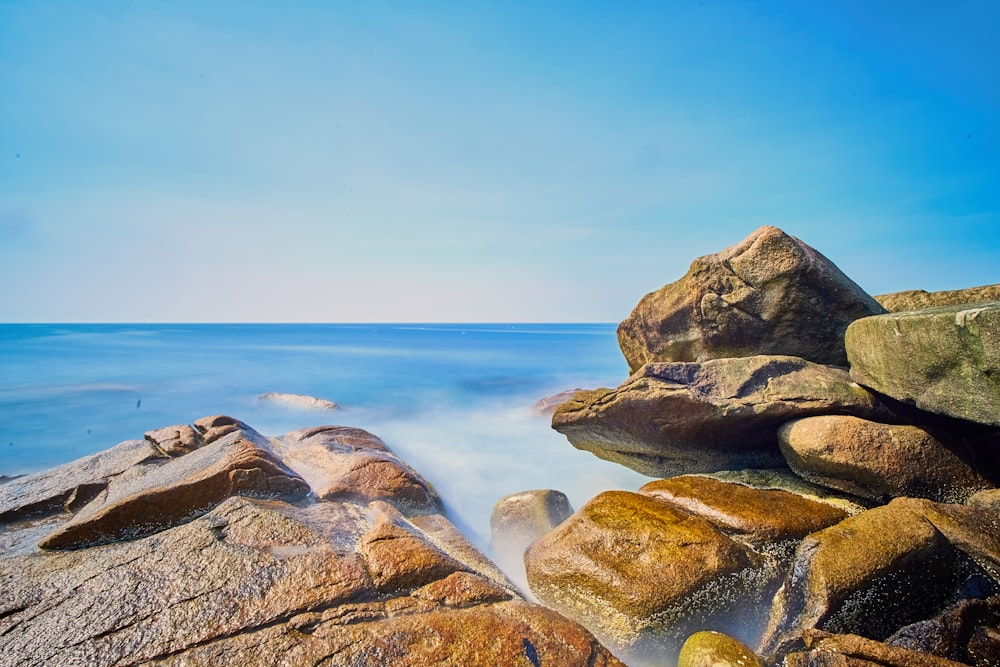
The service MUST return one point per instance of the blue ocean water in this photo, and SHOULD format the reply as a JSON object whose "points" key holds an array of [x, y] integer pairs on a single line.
{"points": [[455, 401]]}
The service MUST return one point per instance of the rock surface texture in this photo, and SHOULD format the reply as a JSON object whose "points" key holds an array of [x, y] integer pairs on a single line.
{"points": [[769, 294], [918, 299], [943, 360], [251, 570], [676, 418]]}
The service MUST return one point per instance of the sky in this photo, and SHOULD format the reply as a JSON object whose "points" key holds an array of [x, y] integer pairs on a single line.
{"points": [[471, 161]]}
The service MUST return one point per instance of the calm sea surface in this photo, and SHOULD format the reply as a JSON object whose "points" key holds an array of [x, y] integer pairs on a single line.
{"points": [[454, 401]]}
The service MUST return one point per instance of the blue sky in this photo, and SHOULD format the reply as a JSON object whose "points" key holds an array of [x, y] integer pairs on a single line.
{"points": [[465, 161]]}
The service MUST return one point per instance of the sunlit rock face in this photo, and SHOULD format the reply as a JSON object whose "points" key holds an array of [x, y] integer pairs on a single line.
{"points": [[225, 554], [769, 294]]}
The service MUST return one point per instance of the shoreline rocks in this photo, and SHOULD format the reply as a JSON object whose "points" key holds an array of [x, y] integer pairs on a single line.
{"points": [[300, 401]]}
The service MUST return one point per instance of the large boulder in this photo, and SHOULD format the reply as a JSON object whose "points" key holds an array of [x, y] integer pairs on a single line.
{"points": [[943, 360], [769, 294], [641, 574], [880, 461], [674, 418], [350, 581], [918, 299]]}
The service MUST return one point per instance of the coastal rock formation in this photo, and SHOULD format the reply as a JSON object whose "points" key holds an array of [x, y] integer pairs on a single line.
{"points": [[724, 414], [357, 578], [880, 461], [943, 360], [769, 294], [639, 573], [299, 401], [918, 299]]}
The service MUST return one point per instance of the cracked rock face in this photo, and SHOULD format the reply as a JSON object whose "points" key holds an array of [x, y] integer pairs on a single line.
{"points": [[769, 294], [355, 579]]}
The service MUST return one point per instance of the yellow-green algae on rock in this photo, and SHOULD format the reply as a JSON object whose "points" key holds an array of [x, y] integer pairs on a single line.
{"points": [[714, 649]]}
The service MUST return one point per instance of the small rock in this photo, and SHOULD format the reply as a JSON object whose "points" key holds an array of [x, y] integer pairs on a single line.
{"points": [[714, 649], [175, 440], [299, 401]]}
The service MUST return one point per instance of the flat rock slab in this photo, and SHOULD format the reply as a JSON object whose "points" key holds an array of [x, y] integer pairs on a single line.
{"points": [[674, 418], [880, 461], [769, 294], [943, 360], [918, 299], [145, 499]]}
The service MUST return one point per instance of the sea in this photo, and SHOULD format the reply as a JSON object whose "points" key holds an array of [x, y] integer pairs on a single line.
{"points": [[455, 401]]}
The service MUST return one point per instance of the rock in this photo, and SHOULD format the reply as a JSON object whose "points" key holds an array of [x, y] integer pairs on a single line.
{"points": [[638, 573], [770, 294], [251, 581], [943, 360], [714, 649], [70, 486], [880, 570], [675, 418], [845, 650], [988, 499], [918, 299], [299, 401], [341, 462], [758, 517], [968, 633], [175, 440], [548, 405], [880, 461], [153, 497], [518, 520]]}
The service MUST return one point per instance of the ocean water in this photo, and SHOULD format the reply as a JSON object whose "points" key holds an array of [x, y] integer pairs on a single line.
{"points": [[454, 401]]}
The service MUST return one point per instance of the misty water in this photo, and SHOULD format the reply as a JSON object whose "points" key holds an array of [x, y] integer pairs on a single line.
{"points": [[453, 400]]}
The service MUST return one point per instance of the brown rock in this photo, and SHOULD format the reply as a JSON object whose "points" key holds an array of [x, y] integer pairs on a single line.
{"points": [[343, 463], [152, 498], [759, 517], [770, 294], [175, 440], [638, 572], [967, 632], [69, 486], [846, 650], [880, 461], [878, 571], [669, 419], [714, 649], [918, 299]]}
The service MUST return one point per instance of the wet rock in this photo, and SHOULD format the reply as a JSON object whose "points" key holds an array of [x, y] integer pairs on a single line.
{"points": [[988, 499], [341, 462], [299, 401], [880, 461], [770, 294], [758, 517], [69, 486], [521, 518], [251, 581], [880, 570], [147, 499], [674, 418], [845, 650], [640, 573], [899, 302], [968, 632], [714, 649], [943, 360]]}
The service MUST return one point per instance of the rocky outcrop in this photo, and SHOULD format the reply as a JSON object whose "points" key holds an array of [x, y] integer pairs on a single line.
{"points": [[943, 360], [352, 578], [769, 294], [298, 401], [880, 461], [675, 418], [918, 299]]}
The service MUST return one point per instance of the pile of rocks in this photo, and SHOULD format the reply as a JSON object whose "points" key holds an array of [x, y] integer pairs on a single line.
{"points": [[213, 545], [828, 472]]}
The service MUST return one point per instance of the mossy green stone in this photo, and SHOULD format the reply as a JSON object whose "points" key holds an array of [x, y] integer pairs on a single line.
{"points": [[714, 649], [943, 360]]}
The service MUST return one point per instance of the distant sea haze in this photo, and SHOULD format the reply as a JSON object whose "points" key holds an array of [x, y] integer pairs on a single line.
{"points": [[453, 400]]}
